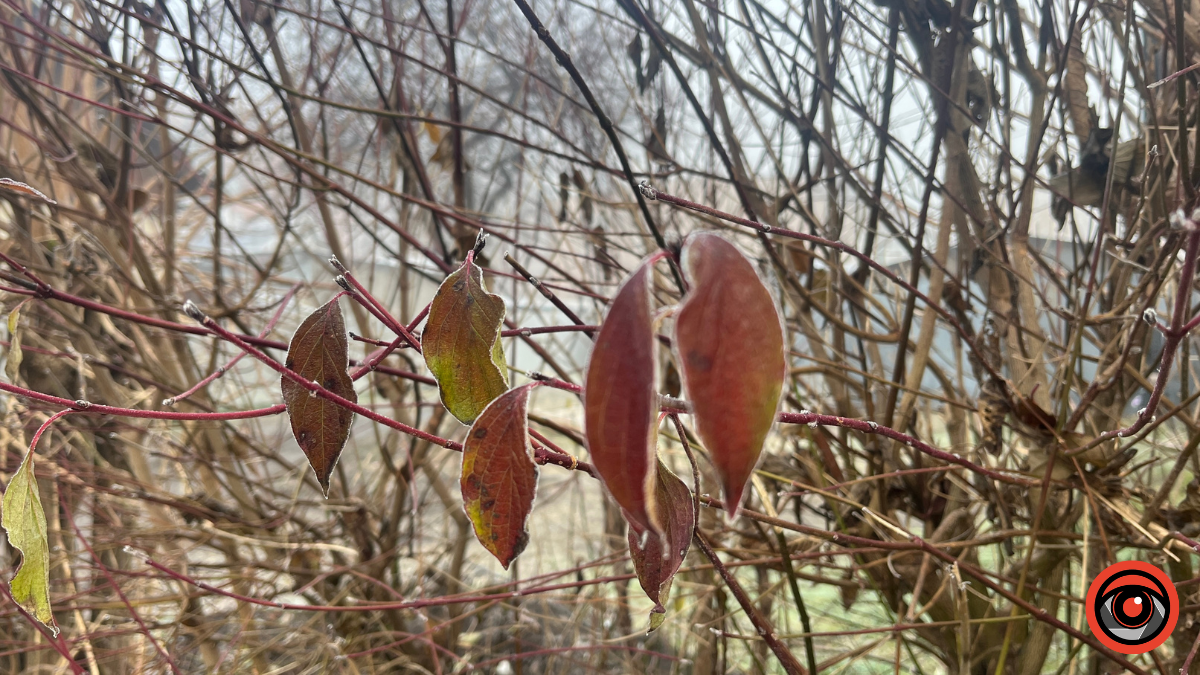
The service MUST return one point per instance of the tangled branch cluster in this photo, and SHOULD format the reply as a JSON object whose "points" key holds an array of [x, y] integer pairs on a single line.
{"points": [[976, 218]]}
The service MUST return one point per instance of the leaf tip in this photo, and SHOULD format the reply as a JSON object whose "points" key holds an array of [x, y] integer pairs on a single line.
{"points": [[658, 616], [733, 499]]}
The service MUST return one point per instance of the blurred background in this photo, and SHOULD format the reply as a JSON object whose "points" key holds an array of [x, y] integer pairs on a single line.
{"points": [[1015, 160]]}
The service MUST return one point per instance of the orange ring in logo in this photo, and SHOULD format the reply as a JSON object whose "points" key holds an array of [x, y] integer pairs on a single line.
{"points": [[1116, 634]]}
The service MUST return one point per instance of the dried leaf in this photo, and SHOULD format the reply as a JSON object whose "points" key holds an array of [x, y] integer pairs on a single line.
{"points": [[656, 140], [653, 65], [434, 132], [319, 352], [619, 400], [656, 558], [499, 476], [462, 345], [1075, 88], [443, 153], [12, 365], [585, 199], [25, 522], [564, 195], [24, 190], [634, 52], [730, 343]]}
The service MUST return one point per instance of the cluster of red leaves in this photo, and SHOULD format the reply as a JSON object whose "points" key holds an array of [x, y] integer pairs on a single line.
{"points": [[729, 345]]}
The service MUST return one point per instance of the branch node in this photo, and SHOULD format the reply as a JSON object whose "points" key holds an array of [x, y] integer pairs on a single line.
{"points": [[481, 238], [194, 312], [648, 190], [140, 555]]}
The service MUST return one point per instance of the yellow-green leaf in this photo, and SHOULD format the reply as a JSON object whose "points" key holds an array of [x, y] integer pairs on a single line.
{"points": [[25, 523], [461, 343]]}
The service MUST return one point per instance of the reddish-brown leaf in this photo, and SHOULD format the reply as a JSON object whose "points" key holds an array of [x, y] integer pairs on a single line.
{"points": [[318, 352], [656, 558], [461, 343], [619, 400], [499, 476], [20, 188], [730, 344]]}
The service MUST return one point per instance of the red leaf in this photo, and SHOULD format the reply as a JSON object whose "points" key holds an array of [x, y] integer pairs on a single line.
{"points": [[730, 343], [499, 477], [318, 352], [619, 400], [24, 190], [656, 559]]}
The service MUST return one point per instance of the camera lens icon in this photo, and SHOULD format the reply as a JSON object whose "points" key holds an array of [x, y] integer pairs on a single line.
{"points": [[1132, 607]]}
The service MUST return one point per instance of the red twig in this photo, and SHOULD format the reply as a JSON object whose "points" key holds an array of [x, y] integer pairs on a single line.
{"points": [[865, 426], [232, 362], [113, 582], [100, 409], [789, 662], [372, 361], [379, 606], [1186, 668], [194, 312], [565, 650], [869, 427], [56, 641], [363, 297], [654, 194], [1171, 339], [412, 325]]}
